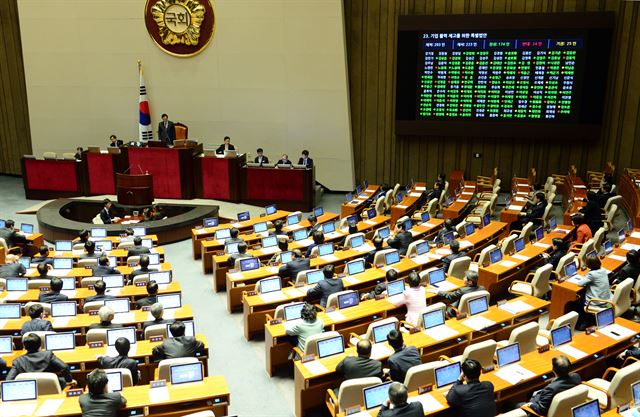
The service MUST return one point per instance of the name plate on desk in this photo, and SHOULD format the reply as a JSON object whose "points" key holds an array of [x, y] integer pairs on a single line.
{"points": [[330, 310], [251, 293], [487, 369], [158, 384], [44, 289], [425, 388], [307, 358], [275, 321], [146, 308], [93, 313], [461, 316], [352, 410], [93, 345], [141, 284], [75, 392], [159, 338], [543, 348]]}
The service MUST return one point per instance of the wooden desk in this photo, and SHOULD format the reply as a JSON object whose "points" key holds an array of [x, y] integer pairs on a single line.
{"points": [[628, 189], [120, 254], [574, 193], [520, 189], [53, 178], [409, 203], [218, 178], [291, 189], [80, 273], [325, 218], [349, 207], [459, 207]]}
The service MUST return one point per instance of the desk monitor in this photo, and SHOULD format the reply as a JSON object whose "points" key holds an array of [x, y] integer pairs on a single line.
{"points": [[98, 232], [64, 309], [268, 285], [399, 198], [161, 278], [592, 254], [365, 184], [300, 234], [188, 372], [347, 300], [128, 333], [352, 220], [380, 332], [318, 211], [425, 217], [139, 231], [588, 409], [325, 249], [6, 345], [113, 260], [392, 257], [561, 335], [330, 347], [436, 276], [170, 300], [495, 255], [469, 228], [355, 267], [358, 189], [629, 225], [231, 248], [10, 311], [154, 258], [293, 219], [260, 227], [519, 244], [147, 243], [605, 318], [62, 263], [508, 354], [60, 341], [113, 281], [115, 380], [621, 236], [408, 224], [478, 305], [372, 213], [635, 390], [313, 277], [119, 305], [395, 287], [328, 227], [222, 234], [348, 197], [16, 284], [243, 216], [249, 264], [20, 390], [384, 232], [553, 223], [286, 256], [3, 224], [230, 153], [269, 210], [210, 222], [376, 395], [293, 311], [422, 248], [433, 318], [63, 245], [539, 234], [269, 241], [486, 219], [25, 261], [447, 238], [357, 241], [447, 374], [189, 329], [570, 270], [104, 245], [68, 283], [26, 228], [608, 247]]}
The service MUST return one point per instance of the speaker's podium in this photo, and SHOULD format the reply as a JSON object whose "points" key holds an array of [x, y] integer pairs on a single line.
{"points": [[134, 190]]}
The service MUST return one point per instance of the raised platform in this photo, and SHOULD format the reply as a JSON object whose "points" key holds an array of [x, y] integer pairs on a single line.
{"points": [[63, 218]]}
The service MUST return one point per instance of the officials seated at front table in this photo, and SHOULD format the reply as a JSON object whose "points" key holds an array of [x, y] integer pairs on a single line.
{"points": [[157, 310], [326, 286], [100, 288], [261, 158], [106, 315], [284, 160], [36, 324], [123, 360], [137, 248], [468, 397], [152, 297], [105, 213], [361, 366], [179, 346], [55, 286], [99, 402], [305, 160], [397, 405], [226, 146], [114, 142]]}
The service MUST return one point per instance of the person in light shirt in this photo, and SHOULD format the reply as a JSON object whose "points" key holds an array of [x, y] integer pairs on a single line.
{"points": [[413, 297]]}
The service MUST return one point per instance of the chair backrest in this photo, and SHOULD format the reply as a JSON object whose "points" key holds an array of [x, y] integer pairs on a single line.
{"points": [[564, 401], [140, 278], [97, 335], [432, 207], [182, 131], [463, 307], [97, 219], [47, 382], [396, 188], [547, 213], [613, 209], [311, 343], [526, 336], [484, 254], [622, 296], [620, 386], [86, 282], [422, 374], [508, 244], [369, 333], [388, 200], [126, 244], [34, 284], [155, 330], [483, 352], [616, 199], [91, 306], [402, 219], [49, 155], [127, 379], [428, 308], [548, 183], [45, 306], [41, 334], [87, 262], [380, 206], [350, 393], [133, 259], [332, 301], [565, 260], [164, 366], [3, 244], [412, 249], [540, 280], [445, 191], [587, 247], [459, 266], [526, 231], [378, 259], [598, 238], [347, 241], [571, 318], [301, 278], [460, 228]]}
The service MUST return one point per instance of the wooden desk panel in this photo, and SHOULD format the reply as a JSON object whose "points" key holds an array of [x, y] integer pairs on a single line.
{"points": [[409, 203], [458, 208], [628, 189], [348, 208]]}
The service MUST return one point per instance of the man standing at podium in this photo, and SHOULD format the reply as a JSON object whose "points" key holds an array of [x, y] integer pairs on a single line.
{"points": [[226, 146], [166, 130]]}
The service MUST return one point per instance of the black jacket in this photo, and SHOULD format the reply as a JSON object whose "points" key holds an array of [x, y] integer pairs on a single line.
{"points": [[401, 241], [36, 325], [100, 270], [42, 361], [324, 288], [167, 134], [290, 270], [12, 270], [446, 262], [99, 297], [105, 325], [112, 362], [154, 322], [475, 399], [105, 216], [541, 399], [358, 367], [309, 162], [264, 160], [138, 250], [220, 148], [454, 296], [147, 301], [400, 362], [102, 405], [178, 347], [406, 410], [51, 296], [12, 237], [42, 260], [592, 215], [555, 257]]}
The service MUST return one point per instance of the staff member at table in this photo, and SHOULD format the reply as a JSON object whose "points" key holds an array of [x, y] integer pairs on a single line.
{"points": [[284, 160], [166, 130], [226, 146], [305, 160], [261, 159]]}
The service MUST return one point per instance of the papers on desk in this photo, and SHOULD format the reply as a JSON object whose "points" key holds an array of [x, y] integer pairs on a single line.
{"points": [[269, 251], [336, 316], [329, 258], [124, 318], [462, 201], [420, 188], [440, 332], [514, 207], [49, 408], [18, 408], [630, 246], [273, 269], [364, 248], [14, 295], [618, 258], [467, 193], [60, 321], [380, 350], [400, 206], [59, 272], [429, 403], [571, 351], [445, 286], [632, 412], [315, 367], [333, 235], [478, 323], [31, 271], [158, 395], [521, 257], [635, 235], [272, 296], [507, 264], [362, 414], [542, 245], [200, 231], [113, 291], [3, 322], [415, 194], [421, 259], [294, 227], [465, 244], [443, 251], [305, 242], [515, 307], [168, 314], [428, 224], [414, 233], [77, 252], [236, 224], [617, 332], [295, 292], [520, 199], [514, 374], [574, 279], [370, 222], [349, 279], [235, 275], [579, 186]]}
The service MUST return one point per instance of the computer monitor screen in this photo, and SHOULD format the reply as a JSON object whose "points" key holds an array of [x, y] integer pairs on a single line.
{"points": [[68, 283], [26, 228], [113, 281], [249, 264], [98, 232], [16, 284], [608, 247], [539, 233], [170, 300], [188, 372], [318, 211], [508, 354], [376, 395], [119, 305], [325, 249], [358, 189], [621, 236], [605, 318], [357, 241], [300, 234], [635, 389], [328, 227], [154, 258], [446, 375], [408, 224], [64, 309], [588, 409], [371, 213], [269, 241], [447, 238], [352, 219], [365, 183], [63, 245], [355, 267], [424, 216], [347, 300], [210, 222], [391, 258], [114, 380], [570, 269], [269, 210], [330, 347], [244, 216], [293, 219], [348, 197], [433, 318], [561, 335], [286, 256], [223, 234], [380, 332], [293, 311], [395, 287], [104, 245], [147, 243], [128, 333], [260, 227], [161, 278], [3, 224], [20, 390], [435, 276], [315, 276], [553, 223], [6, 345], [189, 329], [519, 244], [384, 232], [60, 341], [399, 198], [486, 219], [630, 225], [62, 263], [495, 255], [113, 260], [469, 228], [270, 285], [25, 261], [139, 231], [422, 248], [231, 248], [10, 311], [478, 305], [592, 254]]}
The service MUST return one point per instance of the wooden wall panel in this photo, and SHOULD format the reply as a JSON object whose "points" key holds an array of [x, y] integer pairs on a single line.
{"points": [[15, 136], [381, 156]]}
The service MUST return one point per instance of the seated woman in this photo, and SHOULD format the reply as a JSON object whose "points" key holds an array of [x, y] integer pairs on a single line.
{"points": [[596, 284]]}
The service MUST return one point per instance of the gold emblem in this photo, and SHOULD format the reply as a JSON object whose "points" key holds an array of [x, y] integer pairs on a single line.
{"points": [[178, 21]]}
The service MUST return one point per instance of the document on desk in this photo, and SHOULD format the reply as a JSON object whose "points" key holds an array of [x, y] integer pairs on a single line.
{"points": [[236, 275], [61, 321], [429, 403], [521, 199], [420, 188], [571, 351], [294, 227], [521, 257], [465, 244], [69, 293], [514, 374], [31, 271], [445, 286], [380, 350], [77, 252], [635, 235], [440, 332], [49, 407], [333, 235], [336, 316], [329, 258], [400, 206], [421, 259], [200, 231], [158, 395], [515, 307], [575, 279], [415, 194], [630, 246], [124, 318], [14, 295], [507, 264], [478, 323], [514, 207], [364, 248], [617, 332], [59, 272], [618, 258], [295, 292], [236, 224], [579, 186], [350, 279], [443, 251], [270, 297], [371, 222], [315, 367], [270, 250], [542, 245], [462, 201], [18, 408]]}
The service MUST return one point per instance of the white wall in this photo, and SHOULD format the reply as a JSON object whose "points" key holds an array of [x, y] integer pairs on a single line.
{"points": [[274, 76]]}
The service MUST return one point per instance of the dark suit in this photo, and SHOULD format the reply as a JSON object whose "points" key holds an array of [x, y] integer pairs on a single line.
{"points": [[225, 147], [283, 162], [138, 250], [42, 361], [353, 367], [628, 271], [167, 133], [101, 405], [105, 325], [36, 325], [178, 347], [51, 296], [401, 241], [99, 297], [290, 270], [602, 198], [371, 255], [261, 160], [147, 301], [324, 288], [154, 322], [141, 271], [90, 255], [109, 362], [555, 257], [475, 399], [448, 259], [42, 260], [309, 163], [12, 237], [118, 143], [454, 296], [592, 215], [400, 362], [541, 399], [105, 216], [233, 258], [102, 270], [12, 270], [406, 410]]}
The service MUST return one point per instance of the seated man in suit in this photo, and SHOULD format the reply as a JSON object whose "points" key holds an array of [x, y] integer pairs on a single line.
{"points": [[166, 130], [152, 298], [90, 250], [604, 194], [233, 233], [455, 254], [390, 275], [36, 360], [43, 272], [534, 215], [401, 240], [448, 227], [226, 146], [103, 268], [559, 250], [361, 366], [43, 256], [318, 239], [54, 293], [115, 142], [298, 263], [105, 213], [284, 160], [144, 267], [242, 253], [261, 159], [305, 160], [100, 288], [403, 358], [468, 397], [36, 324], [180, 346], [327, 286], [277, 228], [99, 402], [397, 405], [377, 244], [11, 236], [106, 315], [137, 248], [12, 268], [453, 297], [123, 360], [157, 310], [283, 246], [313, 222]]}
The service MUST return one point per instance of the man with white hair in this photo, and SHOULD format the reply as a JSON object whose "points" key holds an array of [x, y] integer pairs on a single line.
{"points": [[106, 315], [156, 311]]}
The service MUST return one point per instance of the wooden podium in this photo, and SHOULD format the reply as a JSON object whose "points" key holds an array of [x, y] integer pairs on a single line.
{"points": [[134, 190]]}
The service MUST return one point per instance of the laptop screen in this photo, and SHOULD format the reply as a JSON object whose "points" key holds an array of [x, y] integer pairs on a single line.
{"points": [[170, 300], [478, 305], [371, 213], [270, 209], [163, 277], [68, 284], [376, 395], [315, 276], [293, 219], [293, 311], [260, 227], [62, 263], [60, 341], [113, 281], [433, 318], [6, 345], [98, 232], [589, 409], [210, 222], [16, 284], [249, 264], [355, 267], [330, 347], [399, 198], [325, 249], [188, 372], [395, 287], [300, 234], [113, 260], [424, 216], [561, 335], [147, 243], [630, 225], [63, 245], [270, 285], [115, 380], [508, 354], [104, 245], [269, 241], [553, 223], [286, 256], [408, 224], [357, 241], [621, 236], [3, 224], [26, 228], [328, 227], [391, 258], [422, 248], [10, 311], [244, 216], [446, 375], [436, 276], [635, 389], [223, 234], [495, 255], [605, 318], [469, 228], [570, 269], [139, 231], [154, 258], [447, 238], [519, 244], [347, 300], [189, 329], [128, 333], [608, 247], [119, 305], [380, 332], [384, 232], [348, 197], [486, 219], [318, 211], [25, 261], [539, 233], [20, 390], [64, 309]]}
